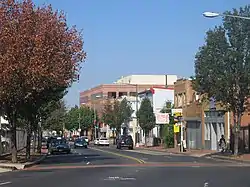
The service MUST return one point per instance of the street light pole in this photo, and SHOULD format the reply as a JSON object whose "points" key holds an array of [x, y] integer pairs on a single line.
{"points": [[215, 14], [94, 121], [137, 122], [96, 97]]}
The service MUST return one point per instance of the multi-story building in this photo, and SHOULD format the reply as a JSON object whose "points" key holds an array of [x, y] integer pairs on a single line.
{"points": [[158, 97], [204, 121], [125, 86]]}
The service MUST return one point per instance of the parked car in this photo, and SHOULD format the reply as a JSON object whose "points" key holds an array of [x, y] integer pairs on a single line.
{"points": [[125, 141], [59, 145], [103, 142], [86, 139], [80, 143], [96, 141]]}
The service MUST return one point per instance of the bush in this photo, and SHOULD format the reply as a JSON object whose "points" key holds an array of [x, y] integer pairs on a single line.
{"points": [[168, 134]]}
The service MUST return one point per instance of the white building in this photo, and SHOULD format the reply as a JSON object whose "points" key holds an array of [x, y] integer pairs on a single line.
{"points": [[158, 98], [148, 79]]}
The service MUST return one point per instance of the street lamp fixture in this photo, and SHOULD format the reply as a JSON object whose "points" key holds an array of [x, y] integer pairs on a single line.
{"points": [[216, 14]]}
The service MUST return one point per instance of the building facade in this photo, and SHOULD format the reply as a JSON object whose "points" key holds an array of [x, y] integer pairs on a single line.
{"points": [[127, 86], [158, 97], [204, 121]]}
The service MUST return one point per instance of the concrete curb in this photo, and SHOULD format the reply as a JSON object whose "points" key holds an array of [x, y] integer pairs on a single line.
{"points": [[229, 159], [178, 153], [38, 161], [17, 166]]}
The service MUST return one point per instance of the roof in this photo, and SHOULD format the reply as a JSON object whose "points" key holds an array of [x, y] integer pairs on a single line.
{"points": [[152, 89]]}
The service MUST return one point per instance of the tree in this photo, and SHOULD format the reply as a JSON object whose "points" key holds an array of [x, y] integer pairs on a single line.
{"points": [[222, 66], [72, 119], [108, 114], [126, 110], [146, 117], [55, 119], [39, 53], [116, 113], [87, 118], [167, 130], [84, 115]]}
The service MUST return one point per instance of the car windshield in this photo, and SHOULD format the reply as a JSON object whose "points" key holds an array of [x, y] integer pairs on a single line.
{"points": [[103, 139], [80, 141]]}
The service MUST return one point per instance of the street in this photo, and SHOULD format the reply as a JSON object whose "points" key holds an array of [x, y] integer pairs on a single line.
{"points": [[108, 167]]}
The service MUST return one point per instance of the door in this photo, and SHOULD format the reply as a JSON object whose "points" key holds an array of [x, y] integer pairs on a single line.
{"points": [[214, 136]]}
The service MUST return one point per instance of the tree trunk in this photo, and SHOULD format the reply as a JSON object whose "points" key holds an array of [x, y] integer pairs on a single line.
{"points": [[146, 134], [13, 139], [237, 122], [39, 138], [34, 142], [28, 141], [113, 134]]}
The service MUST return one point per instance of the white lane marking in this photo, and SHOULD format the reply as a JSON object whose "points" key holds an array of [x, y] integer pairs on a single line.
{"points": [[206, 184], [4, 183], [119, 179]]}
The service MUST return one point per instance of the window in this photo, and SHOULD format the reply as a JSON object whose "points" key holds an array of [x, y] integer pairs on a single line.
{"points": [[112, 95], [134, 94]]}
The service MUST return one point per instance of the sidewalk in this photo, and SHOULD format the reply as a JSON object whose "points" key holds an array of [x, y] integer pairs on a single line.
{"points": [[5, 162], [191, 152], [228, 156]]}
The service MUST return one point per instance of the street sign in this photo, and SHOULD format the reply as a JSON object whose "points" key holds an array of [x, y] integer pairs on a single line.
{"points": [[79, 130]]}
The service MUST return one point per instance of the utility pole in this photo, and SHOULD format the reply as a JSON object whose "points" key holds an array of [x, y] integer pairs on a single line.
{"points": [[94, 121], [137, 122]]}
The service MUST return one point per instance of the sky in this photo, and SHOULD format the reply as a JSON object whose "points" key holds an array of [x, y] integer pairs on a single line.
{"points": [[124, 37]]}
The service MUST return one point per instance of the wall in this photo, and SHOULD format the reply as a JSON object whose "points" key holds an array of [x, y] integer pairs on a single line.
{"points": [[148, 79], [160, 97]]}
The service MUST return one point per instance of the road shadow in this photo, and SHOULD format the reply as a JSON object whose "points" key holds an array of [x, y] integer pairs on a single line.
{"points": [[74, 158]]}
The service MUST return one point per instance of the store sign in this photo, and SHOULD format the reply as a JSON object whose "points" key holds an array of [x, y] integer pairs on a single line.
{"points": [[162, 118]]}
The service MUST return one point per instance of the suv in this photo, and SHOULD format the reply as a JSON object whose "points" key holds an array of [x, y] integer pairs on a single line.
{"points": [[125, 141]]}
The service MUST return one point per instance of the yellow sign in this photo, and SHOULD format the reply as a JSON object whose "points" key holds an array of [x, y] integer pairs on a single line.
{"points": [[176, 128], [177, 114]]}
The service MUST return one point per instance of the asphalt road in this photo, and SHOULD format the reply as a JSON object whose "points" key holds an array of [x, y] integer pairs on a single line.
{"points": [[109, 167]]}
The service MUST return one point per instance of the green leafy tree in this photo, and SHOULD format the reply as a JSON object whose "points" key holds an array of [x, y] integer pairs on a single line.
{"points": [[115, 113], [167, 130], [83, 115], [55, 120], [87, 118], [222, 66], [125, 110], [146, 117], [108, 116], [72, 119]]}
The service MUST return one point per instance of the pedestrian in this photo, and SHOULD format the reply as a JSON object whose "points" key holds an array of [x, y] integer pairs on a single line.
{"points": [[222, 144]]}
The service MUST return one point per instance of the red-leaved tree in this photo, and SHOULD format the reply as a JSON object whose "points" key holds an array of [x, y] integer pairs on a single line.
{"points": [[39, 53]]}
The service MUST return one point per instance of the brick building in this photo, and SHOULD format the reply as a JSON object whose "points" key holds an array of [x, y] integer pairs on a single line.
{"points": [[205, 122], [126, 86]]}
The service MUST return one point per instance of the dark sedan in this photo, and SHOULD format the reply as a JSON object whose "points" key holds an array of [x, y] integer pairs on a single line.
{"points": [[80, 143], [59, 146]]}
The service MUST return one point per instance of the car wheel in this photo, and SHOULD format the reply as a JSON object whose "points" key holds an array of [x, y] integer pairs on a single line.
{"points": [[130, 148], [86, 147]]}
